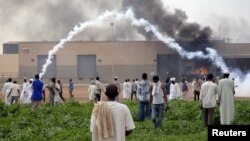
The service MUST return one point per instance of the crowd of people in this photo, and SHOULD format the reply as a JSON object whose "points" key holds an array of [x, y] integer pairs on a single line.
{"points": [[33, 92], [153, 97]]}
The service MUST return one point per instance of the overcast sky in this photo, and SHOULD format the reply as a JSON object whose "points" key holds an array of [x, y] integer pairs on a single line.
{"points": [[25, 20]]}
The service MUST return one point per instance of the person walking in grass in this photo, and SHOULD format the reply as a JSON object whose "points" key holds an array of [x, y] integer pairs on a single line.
{"points": [[111, 120], [92, 90], [174, 89], [208, 96], [226, 99], [36, 96], [144, 94], [99, 88], [61, 90], [15, 93], [184, 89], [71, 88], [6, 91], [52, 91], [196, 88], [118, 85], [157, 99], [24, 93], [134, 90]]}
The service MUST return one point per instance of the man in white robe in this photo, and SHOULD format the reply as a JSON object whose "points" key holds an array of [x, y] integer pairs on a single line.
{"points": [[30, 91], [92, 90], [126, 89], [226, 99], [24, 93], [174, 90], [6, 91]]}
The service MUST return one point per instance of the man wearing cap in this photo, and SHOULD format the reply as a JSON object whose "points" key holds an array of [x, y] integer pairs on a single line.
{"points": [[226, 99], [118, 85], [174, 89]]}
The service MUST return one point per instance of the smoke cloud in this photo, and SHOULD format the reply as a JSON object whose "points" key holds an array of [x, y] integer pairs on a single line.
{"points": [[148, 27], [32, 20], [172, 23]]}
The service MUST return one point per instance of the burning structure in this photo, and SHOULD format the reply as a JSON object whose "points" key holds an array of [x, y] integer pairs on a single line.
{"points": [[85, 60]]}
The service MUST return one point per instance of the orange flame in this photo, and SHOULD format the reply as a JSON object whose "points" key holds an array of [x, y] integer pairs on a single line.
{"points": [[202, 70]]}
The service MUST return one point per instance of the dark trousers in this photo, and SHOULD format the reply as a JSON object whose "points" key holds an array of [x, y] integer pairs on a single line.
{"points": [[208, 116], [98, 97], [196, 95], [71, 93], [133, 93], [142, 112], [44, 95], [61, 95], [14, 98], [51, 99]]}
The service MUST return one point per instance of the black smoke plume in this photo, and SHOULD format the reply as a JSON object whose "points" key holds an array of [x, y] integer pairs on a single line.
{"points": [[172, 23]]}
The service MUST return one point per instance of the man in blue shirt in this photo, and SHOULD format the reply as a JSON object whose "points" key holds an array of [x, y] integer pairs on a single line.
{"points": [[37, 94], [71, 88], [143, 92]]}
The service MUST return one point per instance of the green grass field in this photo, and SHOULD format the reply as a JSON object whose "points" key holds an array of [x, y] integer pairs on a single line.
{"points": [[70, 122]]}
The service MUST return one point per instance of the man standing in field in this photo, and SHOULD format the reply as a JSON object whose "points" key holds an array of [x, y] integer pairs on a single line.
{"points": [[209, 93], [15, 92], [174, 89], [118, 85], [111, 121], [196, 88], [24, 94], [6, 91], [37, 94], [71, 88], [134, 90], [99, 88], [143, 92], [92, 91], [184, 89], [61, 90], [226, 99], [52, 91], [157, 98]]}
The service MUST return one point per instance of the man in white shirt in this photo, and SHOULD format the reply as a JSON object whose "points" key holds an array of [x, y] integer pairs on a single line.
{"points": [[6, 91], [92, 90], [122, 119], [208, 96], [157, 98], [15, 93]]}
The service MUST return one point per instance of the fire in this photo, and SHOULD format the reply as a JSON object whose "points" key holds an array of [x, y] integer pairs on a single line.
{"points": [[202, 70]]}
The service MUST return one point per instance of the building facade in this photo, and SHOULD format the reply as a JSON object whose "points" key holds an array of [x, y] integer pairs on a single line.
{"points": [[84, 60]]}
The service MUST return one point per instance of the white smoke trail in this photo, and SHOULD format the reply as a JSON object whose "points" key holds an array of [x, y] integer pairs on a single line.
{"points": [[212, 54], [77, 29], [242, 89], [171, 43], [241, 82]]}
